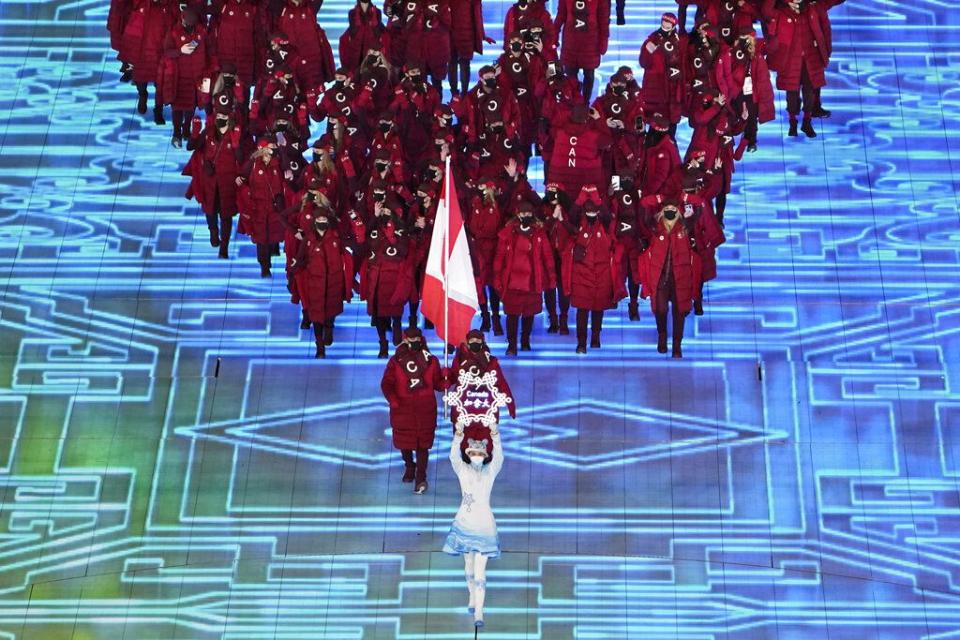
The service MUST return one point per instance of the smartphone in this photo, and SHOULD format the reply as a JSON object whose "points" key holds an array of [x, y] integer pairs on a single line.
{"points": [[615, 181]]}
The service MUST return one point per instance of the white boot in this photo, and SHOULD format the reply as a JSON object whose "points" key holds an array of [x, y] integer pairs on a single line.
{"points": [[479, 594]]}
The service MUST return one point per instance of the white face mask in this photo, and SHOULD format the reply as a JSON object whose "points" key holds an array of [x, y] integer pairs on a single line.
{"points": [[476, 462]]}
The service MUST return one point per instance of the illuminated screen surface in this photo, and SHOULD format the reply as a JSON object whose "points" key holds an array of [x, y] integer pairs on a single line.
{"points": [[794, 476]]}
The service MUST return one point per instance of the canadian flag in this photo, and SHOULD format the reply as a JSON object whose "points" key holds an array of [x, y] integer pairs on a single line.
{"points": [[449, 289]]}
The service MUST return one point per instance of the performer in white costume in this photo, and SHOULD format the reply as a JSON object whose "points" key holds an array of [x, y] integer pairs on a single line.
{"points": [[474, 531], [479, 392]]}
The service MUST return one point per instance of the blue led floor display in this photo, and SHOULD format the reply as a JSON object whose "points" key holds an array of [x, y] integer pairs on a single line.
{"points": [[175, 464]]}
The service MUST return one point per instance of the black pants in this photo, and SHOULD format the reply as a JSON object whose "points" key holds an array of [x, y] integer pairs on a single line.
{"points": [[458, 69], [587, 79], [808, 94], [420, 466]]}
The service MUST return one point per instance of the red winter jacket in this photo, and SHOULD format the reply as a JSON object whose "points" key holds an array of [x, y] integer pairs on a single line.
{"points": [[409, 384], [685, 261], [260, 199], [213, 169], [324, 275], [466, 28], [299, 24], [117, 20], [739, 66], [516, 20], [180, 73], [142, 44], [585, 26], [237, 37], [427, 34], [663, 87], [364, 32], [592, 268], [660, 160], [524, 262], [792, 34], [576, 153]]}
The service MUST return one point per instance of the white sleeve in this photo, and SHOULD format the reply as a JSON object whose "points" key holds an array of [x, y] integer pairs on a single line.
{"points": [[497, 462], [455, 459]]}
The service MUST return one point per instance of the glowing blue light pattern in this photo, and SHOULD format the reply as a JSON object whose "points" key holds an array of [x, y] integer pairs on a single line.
{"points": [[175, 464]]}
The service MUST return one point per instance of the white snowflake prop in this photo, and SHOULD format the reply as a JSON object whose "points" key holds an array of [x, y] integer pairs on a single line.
{"points": [[476, 399]]}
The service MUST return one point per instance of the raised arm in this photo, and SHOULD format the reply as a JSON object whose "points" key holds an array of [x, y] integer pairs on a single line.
{"points": [[455, 460], [497, 462]]}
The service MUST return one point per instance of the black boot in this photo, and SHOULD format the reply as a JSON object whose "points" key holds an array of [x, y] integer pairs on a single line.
{"points": [[318, 335], [126, 74], [698, 306], [382, 325], [484, 320], [397, 330], [263, 257], [305, 320], [820, 112], [807, 128], [328, 334], [596, 324], [526, 328], [564, 327], [158, 115], [678, 320], [412, 320], [633, 310], [512, 322], [554, 325], [582, 317], [226, 228], [141, 98], [621, 18], [793, 127], [214, 229], [409, 466], [497, 327], [661, 332]]}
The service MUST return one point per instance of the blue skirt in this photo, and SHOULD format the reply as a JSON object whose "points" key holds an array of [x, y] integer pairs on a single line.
{"points": [[460, 542]]}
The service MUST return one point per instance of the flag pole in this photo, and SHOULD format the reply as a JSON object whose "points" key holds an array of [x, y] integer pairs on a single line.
{"points": [[446, 263]]}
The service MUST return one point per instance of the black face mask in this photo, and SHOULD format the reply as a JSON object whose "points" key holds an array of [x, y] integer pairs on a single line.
{"points": [[372, 59], [490, 83], [475, 346], [222, 122], [516, 47], [322, 226], [619, 90], [229, 81], [385, 127], [416, 346], [526, 221], [626, 185], [381, 166], [669, 214], [338, 84], [379, 197]]}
